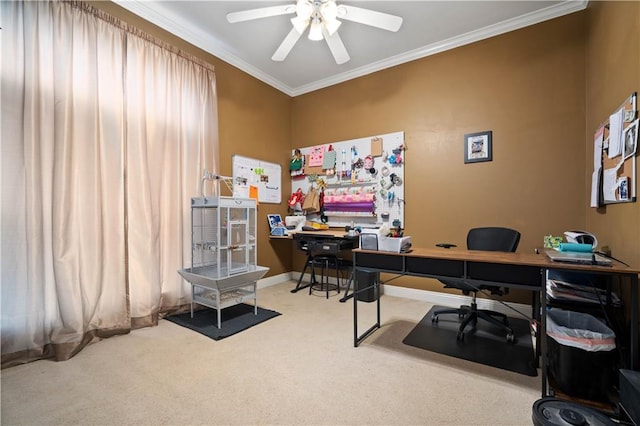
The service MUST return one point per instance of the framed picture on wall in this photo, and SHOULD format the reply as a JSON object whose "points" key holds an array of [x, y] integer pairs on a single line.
{"points": [[478, 147]]}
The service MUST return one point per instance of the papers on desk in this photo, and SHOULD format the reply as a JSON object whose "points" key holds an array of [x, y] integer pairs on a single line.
{"points": [[569, 292]]}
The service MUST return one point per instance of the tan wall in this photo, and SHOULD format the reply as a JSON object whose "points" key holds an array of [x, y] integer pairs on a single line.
{"points": [[526, 86], [254, 121]]}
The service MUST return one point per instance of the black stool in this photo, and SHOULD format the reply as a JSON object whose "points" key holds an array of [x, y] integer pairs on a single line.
{"points": [[325, 263]]}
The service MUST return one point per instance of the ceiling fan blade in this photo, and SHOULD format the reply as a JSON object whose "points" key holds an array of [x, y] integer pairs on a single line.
{"points": [[286, 45], [262, 12], [370, 17], [336, 47]]}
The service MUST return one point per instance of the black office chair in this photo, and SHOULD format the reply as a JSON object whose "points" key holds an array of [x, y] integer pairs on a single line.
{"points": [[488, 239]]}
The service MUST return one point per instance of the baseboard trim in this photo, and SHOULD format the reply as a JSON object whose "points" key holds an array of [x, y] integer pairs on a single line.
{"points": [[274, 280], [435, 297]]}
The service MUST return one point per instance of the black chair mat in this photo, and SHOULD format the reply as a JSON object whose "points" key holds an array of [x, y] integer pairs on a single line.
{"points": [[485, 344]]}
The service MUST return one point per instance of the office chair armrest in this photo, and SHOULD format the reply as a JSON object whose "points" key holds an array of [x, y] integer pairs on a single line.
{"points": [[446, 245]]}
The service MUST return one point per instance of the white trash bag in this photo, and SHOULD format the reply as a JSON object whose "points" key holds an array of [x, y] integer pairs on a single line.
{"points": [[579, 330]]}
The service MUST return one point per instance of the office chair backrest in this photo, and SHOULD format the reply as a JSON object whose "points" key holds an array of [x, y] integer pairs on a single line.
{"points": [[493, 239]]}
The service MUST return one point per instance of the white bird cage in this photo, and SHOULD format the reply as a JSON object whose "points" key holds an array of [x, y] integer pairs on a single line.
{"points": [[224, 270]]}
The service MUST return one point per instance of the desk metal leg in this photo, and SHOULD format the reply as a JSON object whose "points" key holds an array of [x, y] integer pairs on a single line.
{"points": [[346, 292], [306, 265], [535, 314], [634, 324], [542, 332], [358, 339]]}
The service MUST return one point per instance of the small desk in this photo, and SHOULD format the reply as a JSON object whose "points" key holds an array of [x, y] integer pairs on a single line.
{"points": [[329, 241], [526, 271]]}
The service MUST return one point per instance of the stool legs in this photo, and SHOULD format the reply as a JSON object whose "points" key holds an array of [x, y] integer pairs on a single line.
{"points": [[325, 264]]}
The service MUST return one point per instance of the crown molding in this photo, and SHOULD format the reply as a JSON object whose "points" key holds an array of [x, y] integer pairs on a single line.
{"points": [[147, 11], [509, 25]]}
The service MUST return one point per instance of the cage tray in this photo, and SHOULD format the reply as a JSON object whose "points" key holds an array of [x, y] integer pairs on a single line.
{"points": [[211, 277]]}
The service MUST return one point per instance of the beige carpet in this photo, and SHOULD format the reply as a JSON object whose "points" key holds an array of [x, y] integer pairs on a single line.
{"points": [[299, 368]]}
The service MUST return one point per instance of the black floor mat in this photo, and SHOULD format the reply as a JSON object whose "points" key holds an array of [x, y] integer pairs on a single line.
{"points": [[485, 344], [234, 320]]}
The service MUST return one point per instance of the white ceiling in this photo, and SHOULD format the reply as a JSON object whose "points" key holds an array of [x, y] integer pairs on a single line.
{"points": [[429, 27]]}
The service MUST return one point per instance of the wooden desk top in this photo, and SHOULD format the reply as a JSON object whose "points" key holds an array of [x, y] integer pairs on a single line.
{"points": [[528, 259], [331, 233]]}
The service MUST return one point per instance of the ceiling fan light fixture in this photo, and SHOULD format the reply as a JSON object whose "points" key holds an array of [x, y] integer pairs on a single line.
{"points": [[304, 9], [329, 10], [300, 24], [315, 32]]}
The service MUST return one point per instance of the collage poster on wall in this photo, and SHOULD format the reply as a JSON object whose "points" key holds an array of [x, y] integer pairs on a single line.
{"points": [[257, 179]]}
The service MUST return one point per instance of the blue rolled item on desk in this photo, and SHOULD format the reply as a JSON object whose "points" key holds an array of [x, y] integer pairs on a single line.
{"points": [[581, 248]]}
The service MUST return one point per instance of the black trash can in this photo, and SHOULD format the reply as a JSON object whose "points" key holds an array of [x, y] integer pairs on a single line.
{"points": [[366, 279], [581, 354]]}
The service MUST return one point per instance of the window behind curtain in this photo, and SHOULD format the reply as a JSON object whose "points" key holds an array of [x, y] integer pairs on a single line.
{"points": [[105, 133]]}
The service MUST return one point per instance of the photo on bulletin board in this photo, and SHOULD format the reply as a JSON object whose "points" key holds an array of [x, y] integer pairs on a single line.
{"points": [[478, 147], [630, 140]]}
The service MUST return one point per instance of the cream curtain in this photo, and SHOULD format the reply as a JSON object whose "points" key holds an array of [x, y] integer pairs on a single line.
{"points": [[105, 133], [162, 156]]}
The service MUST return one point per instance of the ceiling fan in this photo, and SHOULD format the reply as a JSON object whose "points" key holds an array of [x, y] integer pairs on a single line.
{"points": [[321, 16]]}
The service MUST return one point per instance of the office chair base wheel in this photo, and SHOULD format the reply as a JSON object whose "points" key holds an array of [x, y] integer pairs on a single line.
{"points": [[434, 319], [460, 337], [511, 338]]}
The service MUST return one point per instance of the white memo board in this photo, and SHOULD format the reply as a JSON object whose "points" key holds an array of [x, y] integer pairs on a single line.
{"points": [[261, 175], [386, 210]]}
